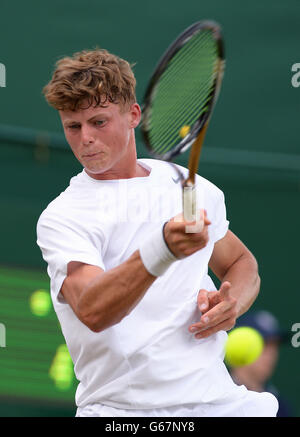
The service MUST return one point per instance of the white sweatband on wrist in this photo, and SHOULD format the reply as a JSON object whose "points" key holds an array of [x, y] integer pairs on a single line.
{"points": [[155, 254]]}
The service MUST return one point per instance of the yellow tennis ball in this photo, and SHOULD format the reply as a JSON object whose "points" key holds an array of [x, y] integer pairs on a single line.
{"points": [[40, 302], [184, 131], [61, 370], [244, 345]]}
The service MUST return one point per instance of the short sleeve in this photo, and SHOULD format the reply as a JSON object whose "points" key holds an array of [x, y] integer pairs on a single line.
{"points": [[220, 224], [62, 241]]}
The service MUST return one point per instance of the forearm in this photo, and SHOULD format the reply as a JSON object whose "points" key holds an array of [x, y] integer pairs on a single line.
{"points": [[112, 295], [244, 278]]}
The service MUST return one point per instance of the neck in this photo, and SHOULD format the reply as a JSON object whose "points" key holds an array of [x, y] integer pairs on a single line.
{"points": [[135, 172]]}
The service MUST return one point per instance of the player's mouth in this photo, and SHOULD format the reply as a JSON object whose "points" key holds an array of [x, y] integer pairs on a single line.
{"points": [[91, 155]]}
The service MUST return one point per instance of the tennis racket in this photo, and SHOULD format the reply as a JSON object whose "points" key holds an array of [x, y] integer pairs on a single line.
{"points": [[179, 101]]}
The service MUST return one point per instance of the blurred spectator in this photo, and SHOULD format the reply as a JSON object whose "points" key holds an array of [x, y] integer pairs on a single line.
{"points": [[257, 376]]}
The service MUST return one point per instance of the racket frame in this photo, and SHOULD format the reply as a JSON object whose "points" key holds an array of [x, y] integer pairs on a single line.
{"points": [[195, 138]]}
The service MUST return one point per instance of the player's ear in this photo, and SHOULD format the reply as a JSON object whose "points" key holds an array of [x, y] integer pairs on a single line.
{"points": [[135, 115]]}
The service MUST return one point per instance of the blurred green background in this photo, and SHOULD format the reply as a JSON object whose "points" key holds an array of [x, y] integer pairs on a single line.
{"points": [[251, 152]]}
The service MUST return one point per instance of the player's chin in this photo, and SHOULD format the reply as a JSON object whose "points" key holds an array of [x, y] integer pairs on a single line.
{"points": [[95, 166]]}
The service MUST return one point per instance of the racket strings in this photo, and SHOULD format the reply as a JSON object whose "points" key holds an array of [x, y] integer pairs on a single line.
{"points": [[188, 51], [189, 112], [177, 93], [188, 65], [183, 114], [183, 91], [183, 106], [184, 54]]}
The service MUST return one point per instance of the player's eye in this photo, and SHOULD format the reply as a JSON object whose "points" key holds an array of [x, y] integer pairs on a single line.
{"points": [[74, 126], [99, 122]]}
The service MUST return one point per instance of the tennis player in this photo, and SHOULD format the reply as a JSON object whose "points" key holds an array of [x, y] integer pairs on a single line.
{"points": [[142, 319]]}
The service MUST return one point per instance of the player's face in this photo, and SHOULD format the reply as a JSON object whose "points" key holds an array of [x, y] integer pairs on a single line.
{"points": [[102, 139]]}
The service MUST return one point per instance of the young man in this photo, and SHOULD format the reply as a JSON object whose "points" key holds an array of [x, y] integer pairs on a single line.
{"points": [[143, 321]]}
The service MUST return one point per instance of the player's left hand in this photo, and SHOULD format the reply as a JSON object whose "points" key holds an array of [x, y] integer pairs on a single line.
{"points": [[219, 311]]}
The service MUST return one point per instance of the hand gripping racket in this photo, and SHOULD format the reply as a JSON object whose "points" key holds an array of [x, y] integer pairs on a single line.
{"points": [[179, 101]]}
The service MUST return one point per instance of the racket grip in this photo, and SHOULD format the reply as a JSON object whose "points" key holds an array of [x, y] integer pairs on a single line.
{"points": [[189, 203], [190, 211]]}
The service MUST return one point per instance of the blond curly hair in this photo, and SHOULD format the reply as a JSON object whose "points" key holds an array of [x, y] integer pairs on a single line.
{"points": [[91, 77]]}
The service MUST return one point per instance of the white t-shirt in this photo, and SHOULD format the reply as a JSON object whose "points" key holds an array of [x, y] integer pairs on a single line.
{"points": [[149, 359]]}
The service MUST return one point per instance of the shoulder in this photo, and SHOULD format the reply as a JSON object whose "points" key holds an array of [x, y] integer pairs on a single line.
{"points": [[211, 190], [61, 205], [167, 168], [157, 165]]}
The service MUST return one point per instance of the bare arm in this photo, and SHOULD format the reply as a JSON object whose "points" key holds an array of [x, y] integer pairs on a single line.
{"points": [[232, 261], [237, 269], [101, 299]]}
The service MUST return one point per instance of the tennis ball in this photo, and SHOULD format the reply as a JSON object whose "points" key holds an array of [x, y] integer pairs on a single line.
{"points": [[61, 370], [40, 303], [184, 131], [244, 345]]}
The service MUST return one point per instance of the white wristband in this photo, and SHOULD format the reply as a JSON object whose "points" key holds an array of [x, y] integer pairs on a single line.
{"points": [[155, 254]]}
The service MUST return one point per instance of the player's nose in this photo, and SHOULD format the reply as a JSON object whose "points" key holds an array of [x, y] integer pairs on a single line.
{"points": [[87, 136]]}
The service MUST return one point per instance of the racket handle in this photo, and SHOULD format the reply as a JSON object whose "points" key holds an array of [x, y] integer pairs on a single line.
{"points": [[189, 203], [190, 212]]}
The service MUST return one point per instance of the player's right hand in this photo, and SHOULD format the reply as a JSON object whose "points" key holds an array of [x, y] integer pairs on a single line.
{"points": [[182, 243]]}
